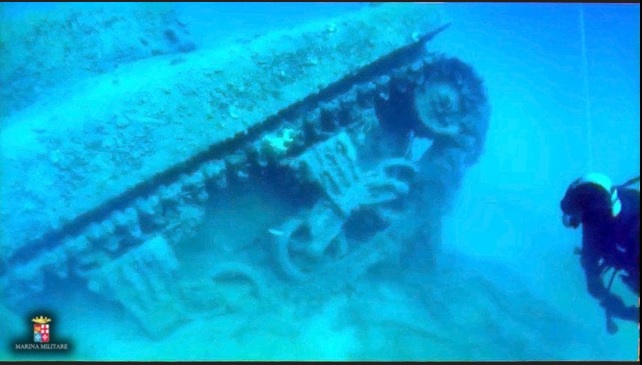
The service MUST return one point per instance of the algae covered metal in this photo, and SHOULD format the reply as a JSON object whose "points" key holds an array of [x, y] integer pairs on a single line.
{"points": [[353, 119]]}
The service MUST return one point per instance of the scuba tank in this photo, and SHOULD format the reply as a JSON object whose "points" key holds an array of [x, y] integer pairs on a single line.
{"points": [[611, 327]]}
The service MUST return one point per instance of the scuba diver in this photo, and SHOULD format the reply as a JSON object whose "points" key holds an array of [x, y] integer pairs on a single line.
{"points": [[610, 219]]}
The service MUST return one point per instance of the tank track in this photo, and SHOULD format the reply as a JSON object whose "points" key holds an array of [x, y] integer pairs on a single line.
{"points": [[112, 243], [142, 216]]}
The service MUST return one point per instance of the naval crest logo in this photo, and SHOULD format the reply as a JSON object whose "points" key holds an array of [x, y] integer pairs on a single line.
{"points": [[41, 329], [41, 339]]}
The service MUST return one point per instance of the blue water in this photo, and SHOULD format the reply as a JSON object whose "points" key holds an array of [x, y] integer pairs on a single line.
{"points": [[560, 108]]}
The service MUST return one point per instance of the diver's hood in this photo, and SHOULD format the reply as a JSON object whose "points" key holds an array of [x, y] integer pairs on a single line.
{"points": [[573, 219]]}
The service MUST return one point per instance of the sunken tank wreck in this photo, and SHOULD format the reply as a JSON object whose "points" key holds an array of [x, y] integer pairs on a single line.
{"points": [[352, 125]]}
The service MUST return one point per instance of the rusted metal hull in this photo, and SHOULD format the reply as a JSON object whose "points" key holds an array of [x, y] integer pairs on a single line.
{"points": [[105, 196]]}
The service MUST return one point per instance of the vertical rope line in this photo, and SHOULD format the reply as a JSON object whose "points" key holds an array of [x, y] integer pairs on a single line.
{"points": [[587, 100]]}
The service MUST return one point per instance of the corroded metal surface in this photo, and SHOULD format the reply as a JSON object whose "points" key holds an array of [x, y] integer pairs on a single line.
{"points": [[125, 130], [41, 49], [375, 135]]}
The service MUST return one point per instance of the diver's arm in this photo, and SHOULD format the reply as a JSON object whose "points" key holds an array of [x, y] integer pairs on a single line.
{"points": [[590, 261], [594, 282]]}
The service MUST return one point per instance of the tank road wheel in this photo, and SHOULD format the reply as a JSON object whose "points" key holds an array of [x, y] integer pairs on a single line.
{"points": [[451, 105]]}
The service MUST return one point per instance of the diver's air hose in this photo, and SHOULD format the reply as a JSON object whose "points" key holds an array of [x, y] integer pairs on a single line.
{"points": [[631, 182], [615, 270]]}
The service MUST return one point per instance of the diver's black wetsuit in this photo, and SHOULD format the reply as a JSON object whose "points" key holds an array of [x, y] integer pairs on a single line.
{"points": [[613, 242]]}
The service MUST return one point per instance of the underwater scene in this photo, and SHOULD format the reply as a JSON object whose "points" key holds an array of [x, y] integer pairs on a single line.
{"points": [[319, 181]]}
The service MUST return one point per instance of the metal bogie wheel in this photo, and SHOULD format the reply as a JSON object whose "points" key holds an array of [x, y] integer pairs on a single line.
{"points": [[291, 246], [451, 105]]}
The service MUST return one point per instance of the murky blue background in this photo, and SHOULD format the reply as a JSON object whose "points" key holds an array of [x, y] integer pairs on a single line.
{"points": [[560, 109]]}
